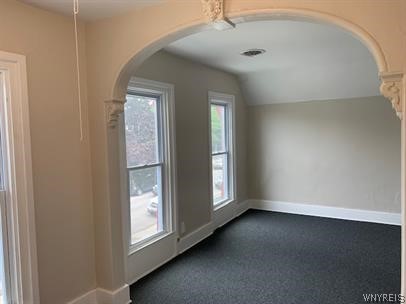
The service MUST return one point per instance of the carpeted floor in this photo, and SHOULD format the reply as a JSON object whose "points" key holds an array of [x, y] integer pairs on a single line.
{"points": [[275, 258]]}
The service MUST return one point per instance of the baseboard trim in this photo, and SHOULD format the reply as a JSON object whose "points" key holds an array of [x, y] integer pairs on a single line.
{"points": [[118, 296], [121, 295], [151, 270], [330, 212], [89, 297], [228, 214], [103, 296], [242, 207], [195, 237]]}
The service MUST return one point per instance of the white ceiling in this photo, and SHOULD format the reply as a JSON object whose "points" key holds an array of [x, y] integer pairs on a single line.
{"points": [[304, 61], [91, 10]]}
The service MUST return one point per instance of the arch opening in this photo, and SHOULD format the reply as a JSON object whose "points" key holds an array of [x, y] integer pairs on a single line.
{"points": [[134, 60]]}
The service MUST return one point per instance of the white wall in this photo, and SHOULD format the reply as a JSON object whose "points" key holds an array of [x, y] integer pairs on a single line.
{"points": [[341, 153]]}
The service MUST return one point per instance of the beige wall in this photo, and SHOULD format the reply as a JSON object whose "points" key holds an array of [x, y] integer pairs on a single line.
{"points": [[342, 153], [116, 46], [61, 164], [62, 182], [192, 82]]}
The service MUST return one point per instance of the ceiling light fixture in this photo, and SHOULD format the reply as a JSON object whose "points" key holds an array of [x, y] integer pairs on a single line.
{"points": [[253, 52]]}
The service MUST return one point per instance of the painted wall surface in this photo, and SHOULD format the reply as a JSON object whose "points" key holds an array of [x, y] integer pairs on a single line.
{"points": [[192, 82], [341, 153], [113, 43], [61, 163], [66, 238]]}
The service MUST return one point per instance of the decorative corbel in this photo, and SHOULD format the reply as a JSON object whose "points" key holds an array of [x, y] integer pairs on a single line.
{"points": [[391, 88], [213, 11], [114, 108]]}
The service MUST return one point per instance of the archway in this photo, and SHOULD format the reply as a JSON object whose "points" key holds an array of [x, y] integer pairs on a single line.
{"points": [[119, 89], [391, 81]]}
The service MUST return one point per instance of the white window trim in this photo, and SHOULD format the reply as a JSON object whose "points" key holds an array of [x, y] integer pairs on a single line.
{"points": [[21, 213], [229, 100], [167, 92]]}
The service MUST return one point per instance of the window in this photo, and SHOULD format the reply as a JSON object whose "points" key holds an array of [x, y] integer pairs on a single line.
{"points": [[5, 280], [18, 258], [222, 148], [147, 160]]}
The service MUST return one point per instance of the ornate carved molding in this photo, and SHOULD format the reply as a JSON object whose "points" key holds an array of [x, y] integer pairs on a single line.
{"points": [[391, 88], [213, 10], [114, 108]]}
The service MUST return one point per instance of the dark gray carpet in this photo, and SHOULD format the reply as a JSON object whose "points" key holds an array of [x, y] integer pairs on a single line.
{"points": [[272, 258]]}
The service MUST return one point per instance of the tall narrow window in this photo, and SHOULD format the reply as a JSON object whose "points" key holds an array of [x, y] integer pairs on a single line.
{"points": [[146, 122], [222, 147], [5, 288]]}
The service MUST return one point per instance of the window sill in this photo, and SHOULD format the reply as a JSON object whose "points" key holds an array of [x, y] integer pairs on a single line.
{"points": [[145, 243]]}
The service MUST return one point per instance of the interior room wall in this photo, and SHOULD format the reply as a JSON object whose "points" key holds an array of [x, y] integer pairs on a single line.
{"points": [[112, 42], [341, 153], [61, 163], [192, 82]]}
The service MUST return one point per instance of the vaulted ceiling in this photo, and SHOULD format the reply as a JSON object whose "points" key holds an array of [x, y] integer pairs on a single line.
{"points": [[303, 61]]}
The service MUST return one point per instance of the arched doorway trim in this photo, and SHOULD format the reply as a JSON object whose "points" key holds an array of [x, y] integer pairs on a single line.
{"points": [[213, 13], [392, 82]]}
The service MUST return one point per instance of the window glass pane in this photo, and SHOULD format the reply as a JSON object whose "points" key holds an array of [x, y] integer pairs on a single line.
{"points": [[145, 203], [220, 180], [218, 131], [3, 298], [141, 130]]}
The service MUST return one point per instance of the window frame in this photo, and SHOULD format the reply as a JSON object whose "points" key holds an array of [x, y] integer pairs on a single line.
{"points": [[228, 101], [166, 161], [22, 246]]}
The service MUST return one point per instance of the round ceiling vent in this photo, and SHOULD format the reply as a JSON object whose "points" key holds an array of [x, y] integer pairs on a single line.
{"points": [[253, 52]]}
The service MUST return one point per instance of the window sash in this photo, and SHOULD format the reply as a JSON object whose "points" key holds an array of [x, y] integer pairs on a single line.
{"points": [[159, 164], [229, 186], [165, 228], [159, 127], [165, 91], [145, 166], [226, 142], [219, 153], [226, 181]]}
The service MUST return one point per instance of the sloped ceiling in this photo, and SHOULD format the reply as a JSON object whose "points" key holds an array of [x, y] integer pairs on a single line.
{"points": [[303, 61]]}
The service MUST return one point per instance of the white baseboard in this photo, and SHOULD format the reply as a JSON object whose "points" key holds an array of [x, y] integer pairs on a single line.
{"points": [[103, 296], [330, 212], [242, 207], [220, 217], [121, 295], [89, 297], [195, 237], [132, 281], [118, 296]]}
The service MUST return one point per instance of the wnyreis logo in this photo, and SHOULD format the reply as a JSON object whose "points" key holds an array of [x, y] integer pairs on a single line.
{"points": [[383, 298]]}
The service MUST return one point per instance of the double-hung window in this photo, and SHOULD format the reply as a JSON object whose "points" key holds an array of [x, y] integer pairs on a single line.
{"points": [[147, 128], [221, 110]]}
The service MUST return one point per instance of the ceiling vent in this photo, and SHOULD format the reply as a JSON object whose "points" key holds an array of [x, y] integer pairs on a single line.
{"points": [[253, 52]]}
